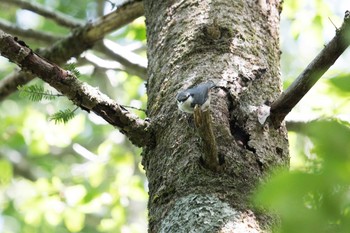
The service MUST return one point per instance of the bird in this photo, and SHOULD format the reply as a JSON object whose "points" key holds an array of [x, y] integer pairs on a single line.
{"points": [[197, 95]]}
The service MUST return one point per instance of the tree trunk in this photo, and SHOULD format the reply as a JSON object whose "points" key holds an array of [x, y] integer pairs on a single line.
{"points": [[235, 44]]}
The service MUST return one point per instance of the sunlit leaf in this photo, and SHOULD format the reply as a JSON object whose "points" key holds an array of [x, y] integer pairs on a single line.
{"points": [[74, 220], [342, 82], [6, 172], [74, 194], [317, 200]]}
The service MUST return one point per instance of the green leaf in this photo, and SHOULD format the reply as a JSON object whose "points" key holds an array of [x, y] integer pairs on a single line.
{"points": [[331, 138], [305, 202], [316, 200], [341, 82], [6, 173], [74, 220]]}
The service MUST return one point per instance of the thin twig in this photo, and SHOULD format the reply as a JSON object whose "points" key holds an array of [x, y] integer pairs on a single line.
{"points": [[58, 17], [132, 62], [336, 28], [131, 107], [312, 73]]}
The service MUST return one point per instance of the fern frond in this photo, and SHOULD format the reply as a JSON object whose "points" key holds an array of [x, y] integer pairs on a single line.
{"points": [[72, 68], [63, 116], [36, 93]]}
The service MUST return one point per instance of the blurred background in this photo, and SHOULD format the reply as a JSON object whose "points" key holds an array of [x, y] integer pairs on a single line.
{"points": [[85, 176]]}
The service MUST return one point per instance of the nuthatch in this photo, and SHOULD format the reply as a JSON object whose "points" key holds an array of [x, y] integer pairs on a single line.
{"points": [[197, 95]]}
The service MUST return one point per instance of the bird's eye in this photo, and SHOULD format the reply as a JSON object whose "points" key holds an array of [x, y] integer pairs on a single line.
{"points": [[183, 97]]}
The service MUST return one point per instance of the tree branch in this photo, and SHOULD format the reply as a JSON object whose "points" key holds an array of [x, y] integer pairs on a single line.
{"points": [[21, 167], [83, 38], [45, 37], [313, 72], [133, 63], [300, 125], [81, 94], [58, 17], [78, 41]]}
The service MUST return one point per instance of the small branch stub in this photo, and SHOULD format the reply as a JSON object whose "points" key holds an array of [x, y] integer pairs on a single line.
{"points": [[204, 127], [263, 113]]}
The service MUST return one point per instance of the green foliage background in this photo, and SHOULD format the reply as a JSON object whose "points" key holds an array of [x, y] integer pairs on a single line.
{"points": [[85, 176], [82, 176], [315, 195]]}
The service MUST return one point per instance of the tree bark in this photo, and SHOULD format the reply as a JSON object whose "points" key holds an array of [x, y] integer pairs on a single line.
{"points": [[235, 44]]}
